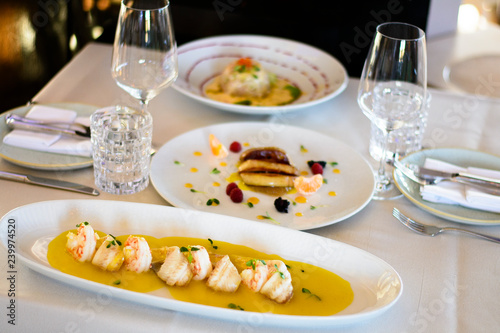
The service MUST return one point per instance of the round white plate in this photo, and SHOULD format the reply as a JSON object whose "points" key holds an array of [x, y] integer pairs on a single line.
{"points": [[171, 170], [319, 75], [376, 285], [34, 159], [460, 157]]}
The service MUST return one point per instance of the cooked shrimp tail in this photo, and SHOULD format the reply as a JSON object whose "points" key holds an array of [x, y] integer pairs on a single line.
{"points": [[199, 261], [278, 287], [255, 275], [224, 276], [109, 255], [82, 245], [175, 269], [137, 254]]}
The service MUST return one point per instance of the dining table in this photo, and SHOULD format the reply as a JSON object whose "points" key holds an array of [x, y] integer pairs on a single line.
{"points": [[450, 282]]}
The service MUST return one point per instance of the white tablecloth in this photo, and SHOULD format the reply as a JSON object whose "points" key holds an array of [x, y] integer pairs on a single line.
{"points": [[450, 281]]}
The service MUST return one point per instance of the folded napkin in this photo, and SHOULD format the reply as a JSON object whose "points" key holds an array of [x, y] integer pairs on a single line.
{"points": [[53, 143], [458, 194]]}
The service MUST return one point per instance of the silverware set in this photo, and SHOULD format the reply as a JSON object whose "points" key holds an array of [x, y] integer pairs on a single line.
{"points": [[69, 129]]}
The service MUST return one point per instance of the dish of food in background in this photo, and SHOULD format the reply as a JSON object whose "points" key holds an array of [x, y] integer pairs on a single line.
{"points": [[186, 173], [44, 160], [375, 284], [314, 73]]}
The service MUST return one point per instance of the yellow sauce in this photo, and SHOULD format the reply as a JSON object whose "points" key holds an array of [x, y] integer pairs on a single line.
{"points": [[304, 173], [193, 170], [215, 184], [253, 200], [332, 193], [299, 214], [223, 164], [334, 292], [197, 153], [336, 171], [301, 199], [188, 185], [278, 95]]}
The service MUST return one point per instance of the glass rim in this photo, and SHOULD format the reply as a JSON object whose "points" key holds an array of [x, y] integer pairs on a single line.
{"points": [[123, 2], [419, 31]]}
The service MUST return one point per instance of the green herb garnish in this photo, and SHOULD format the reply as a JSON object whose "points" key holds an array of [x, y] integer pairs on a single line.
{"points": [[278, 271], [195, 191], [249, 204], [117, 282], [252, 263], [212, 243], [307, 291], [267, 217], [213, 202], [84, 223], [234, 306], [333, 163], [244, 102], [189, 249], [178, 163], [294, 91], [215, 171]]}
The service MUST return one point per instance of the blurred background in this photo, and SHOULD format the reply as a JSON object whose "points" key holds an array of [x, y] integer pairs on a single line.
{"points": [[38, 37]]}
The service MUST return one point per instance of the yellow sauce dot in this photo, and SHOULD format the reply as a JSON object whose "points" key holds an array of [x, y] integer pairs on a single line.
{"points": [[261, 217], [246, 144], [193, 170], [215, 184], [301, 199], [253, 200], [332, 193], [223, 164], [336, 171], [299, 214], [188, 185], [304, 173], [197, 153]]}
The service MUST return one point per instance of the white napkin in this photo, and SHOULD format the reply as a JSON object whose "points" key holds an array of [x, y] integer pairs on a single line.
{"points": [[458, 194], [53, 143]]}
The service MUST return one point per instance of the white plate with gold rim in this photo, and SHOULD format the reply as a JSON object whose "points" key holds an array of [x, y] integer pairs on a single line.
{"points": [[348, 189], [40, 160], [375, 284], [319, 76]]}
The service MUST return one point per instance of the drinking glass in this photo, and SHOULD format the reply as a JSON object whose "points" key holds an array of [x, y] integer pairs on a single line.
{"points": [[144, 51], [393, 87]]}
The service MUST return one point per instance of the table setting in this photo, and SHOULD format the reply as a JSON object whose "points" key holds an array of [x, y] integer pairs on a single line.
{"points": [[126, 140]]}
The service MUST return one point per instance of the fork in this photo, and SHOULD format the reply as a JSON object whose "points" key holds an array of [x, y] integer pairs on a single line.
{"points": [[430, 230]]}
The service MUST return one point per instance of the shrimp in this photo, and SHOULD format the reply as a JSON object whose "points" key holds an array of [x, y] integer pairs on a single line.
{"points": [[137, 254], [224, 276], [278, 287], [82, 245], [175, 269], [256, 275], [109, 255], [199, 261]]}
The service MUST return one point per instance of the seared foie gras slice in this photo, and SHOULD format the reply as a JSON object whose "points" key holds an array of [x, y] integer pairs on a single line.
{"points": [[224, 276], [267, 179], [109, 256], [270, 154], [265, 166], [175, 270], [278, 286]]}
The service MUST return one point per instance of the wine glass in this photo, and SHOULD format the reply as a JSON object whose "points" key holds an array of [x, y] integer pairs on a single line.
{"points": [[144, 51], [393, 87]]}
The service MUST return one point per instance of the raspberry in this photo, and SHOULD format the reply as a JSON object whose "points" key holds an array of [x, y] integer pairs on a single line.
{"points": [[316, 168], [235, 147], [236, 195], [230, 187]]}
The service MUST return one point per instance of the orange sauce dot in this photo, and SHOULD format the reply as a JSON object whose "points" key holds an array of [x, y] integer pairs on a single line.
{"points": [[301, 199], [223, 164], [253, 200], [332, 193], [197, 153], [188, 185], [304, 173], [215, 184], [193, 170], [299, 214], [261, 217], [336, 171]]}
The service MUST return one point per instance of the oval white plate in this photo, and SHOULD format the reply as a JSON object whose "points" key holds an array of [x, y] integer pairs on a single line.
{"points": [[319, 75], [171, 171], [461, 157], [376, 285], [44, 160]]}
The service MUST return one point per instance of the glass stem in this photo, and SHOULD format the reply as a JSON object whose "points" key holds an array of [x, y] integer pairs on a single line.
{"points": [[144, 105], [382, 176]]}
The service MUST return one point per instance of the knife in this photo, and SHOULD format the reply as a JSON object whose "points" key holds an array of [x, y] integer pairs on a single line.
{"points": [[47, 182], [19, 122], [459, 177]]}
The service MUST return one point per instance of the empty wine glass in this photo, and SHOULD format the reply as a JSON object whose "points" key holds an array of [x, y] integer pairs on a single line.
{"points": [[393, 87], [144, 52]]}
